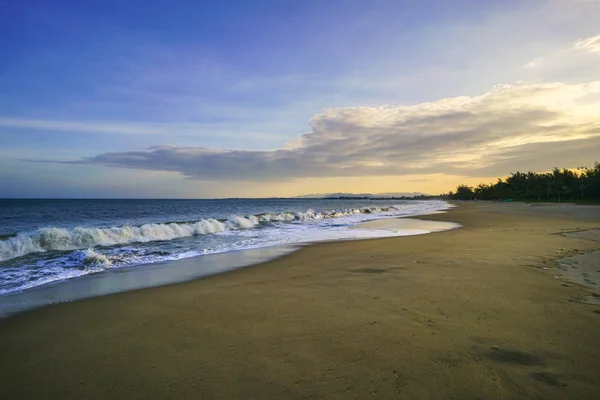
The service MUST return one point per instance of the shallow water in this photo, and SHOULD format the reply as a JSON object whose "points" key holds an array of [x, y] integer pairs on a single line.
{"points": [[132, 278]]}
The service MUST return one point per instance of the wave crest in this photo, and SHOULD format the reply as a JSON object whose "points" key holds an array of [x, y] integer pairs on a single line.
{"points": [[53, 238]]}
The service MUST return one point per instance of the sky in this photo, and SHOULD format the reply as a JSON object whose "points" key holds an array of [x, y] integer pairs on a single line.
{"points": [[210, 99]]}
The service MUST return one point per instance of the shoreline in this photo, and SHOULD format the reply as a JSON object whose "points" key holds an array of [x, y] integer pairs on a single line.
{"points": [[137, 277], [464, 313], [144, 276]]}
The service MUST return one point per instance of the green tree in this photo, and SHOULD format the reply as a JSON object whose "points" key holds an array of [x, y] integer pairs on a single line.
{"points": [[464, 192], [557, 185]]}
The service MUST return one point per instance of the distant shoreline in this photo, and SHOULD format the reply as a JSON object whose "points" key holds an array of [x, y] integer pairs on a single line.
{"points": [[424, 197]]}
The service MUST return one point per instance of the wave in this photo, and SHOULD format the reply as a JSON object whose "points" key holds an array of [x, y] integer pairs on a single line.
{"points": [[77, 263], [93, 259], [61, 239]]}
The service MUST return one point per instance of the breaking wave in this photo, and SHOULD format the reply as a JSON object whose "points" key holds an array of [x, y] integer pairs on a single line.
{"points": [[53, 238]]}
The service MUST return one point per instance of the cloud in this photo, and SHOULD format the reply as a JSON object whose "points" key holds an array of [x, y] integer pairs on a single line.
{"points": [[82, 126], [574, 62], [127, 128], [495, 133], [591, 44], [534, 63]]}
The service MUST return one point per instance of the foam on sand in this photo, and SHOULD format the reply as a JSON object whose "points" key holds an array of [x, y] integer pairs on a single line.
{"points": [[583, 268], [408, 226]]}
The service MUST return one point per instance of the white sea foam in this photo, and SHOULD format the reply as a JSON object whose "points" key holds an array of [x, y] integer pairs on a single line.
{"points": [[46, 239], [52, 238], [91, 258]]}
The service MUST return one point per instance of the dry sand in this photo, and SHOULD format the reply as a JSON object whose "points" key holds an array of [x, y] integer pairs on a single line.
{"points": [[469, 313]]}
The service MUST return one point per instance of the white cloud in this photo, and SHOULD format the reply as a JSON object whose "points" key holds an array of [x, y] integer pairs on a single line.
{"points": [[534, 63], [494, 133], [79, 126], [591, 44], [126, 128], [572, 62]]}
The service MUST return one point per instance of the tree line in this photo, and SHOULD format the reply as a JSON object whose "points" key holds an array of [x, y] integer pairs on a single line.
{"points": [[564, 184]]}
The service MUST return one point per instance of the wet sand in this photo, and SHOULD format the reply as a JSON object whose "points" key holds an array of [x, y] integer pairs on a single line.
{"points": [[135, 277], [478, 312]]}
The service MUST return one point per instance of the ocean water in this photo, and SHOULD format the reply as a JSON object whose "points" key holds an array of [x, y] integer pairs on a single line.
{"points": [[44, 241]]}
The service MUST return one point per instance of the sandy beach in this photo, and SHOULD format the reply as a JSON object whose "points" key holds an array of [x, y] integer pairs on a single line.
{"points": [[480, 312]]}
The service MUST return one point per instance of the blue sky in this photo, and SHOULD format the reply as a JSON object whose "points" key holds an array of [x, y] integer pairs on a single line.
{"points": [[92, 87]]}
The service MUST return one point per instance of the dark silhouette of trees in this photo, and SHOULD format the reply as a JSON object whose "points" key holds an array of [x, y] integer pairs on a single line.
{"points": [[558, 185], [464, 192]]}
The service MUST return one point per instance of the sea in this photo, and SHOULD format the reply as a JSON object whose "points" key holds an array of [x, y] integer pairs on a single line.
{"points": [[45, 242]]}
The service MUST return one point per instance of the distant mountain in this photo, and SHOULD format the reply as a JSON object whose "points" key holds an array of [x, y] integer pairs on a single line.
{"points": [[350, 195]]}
